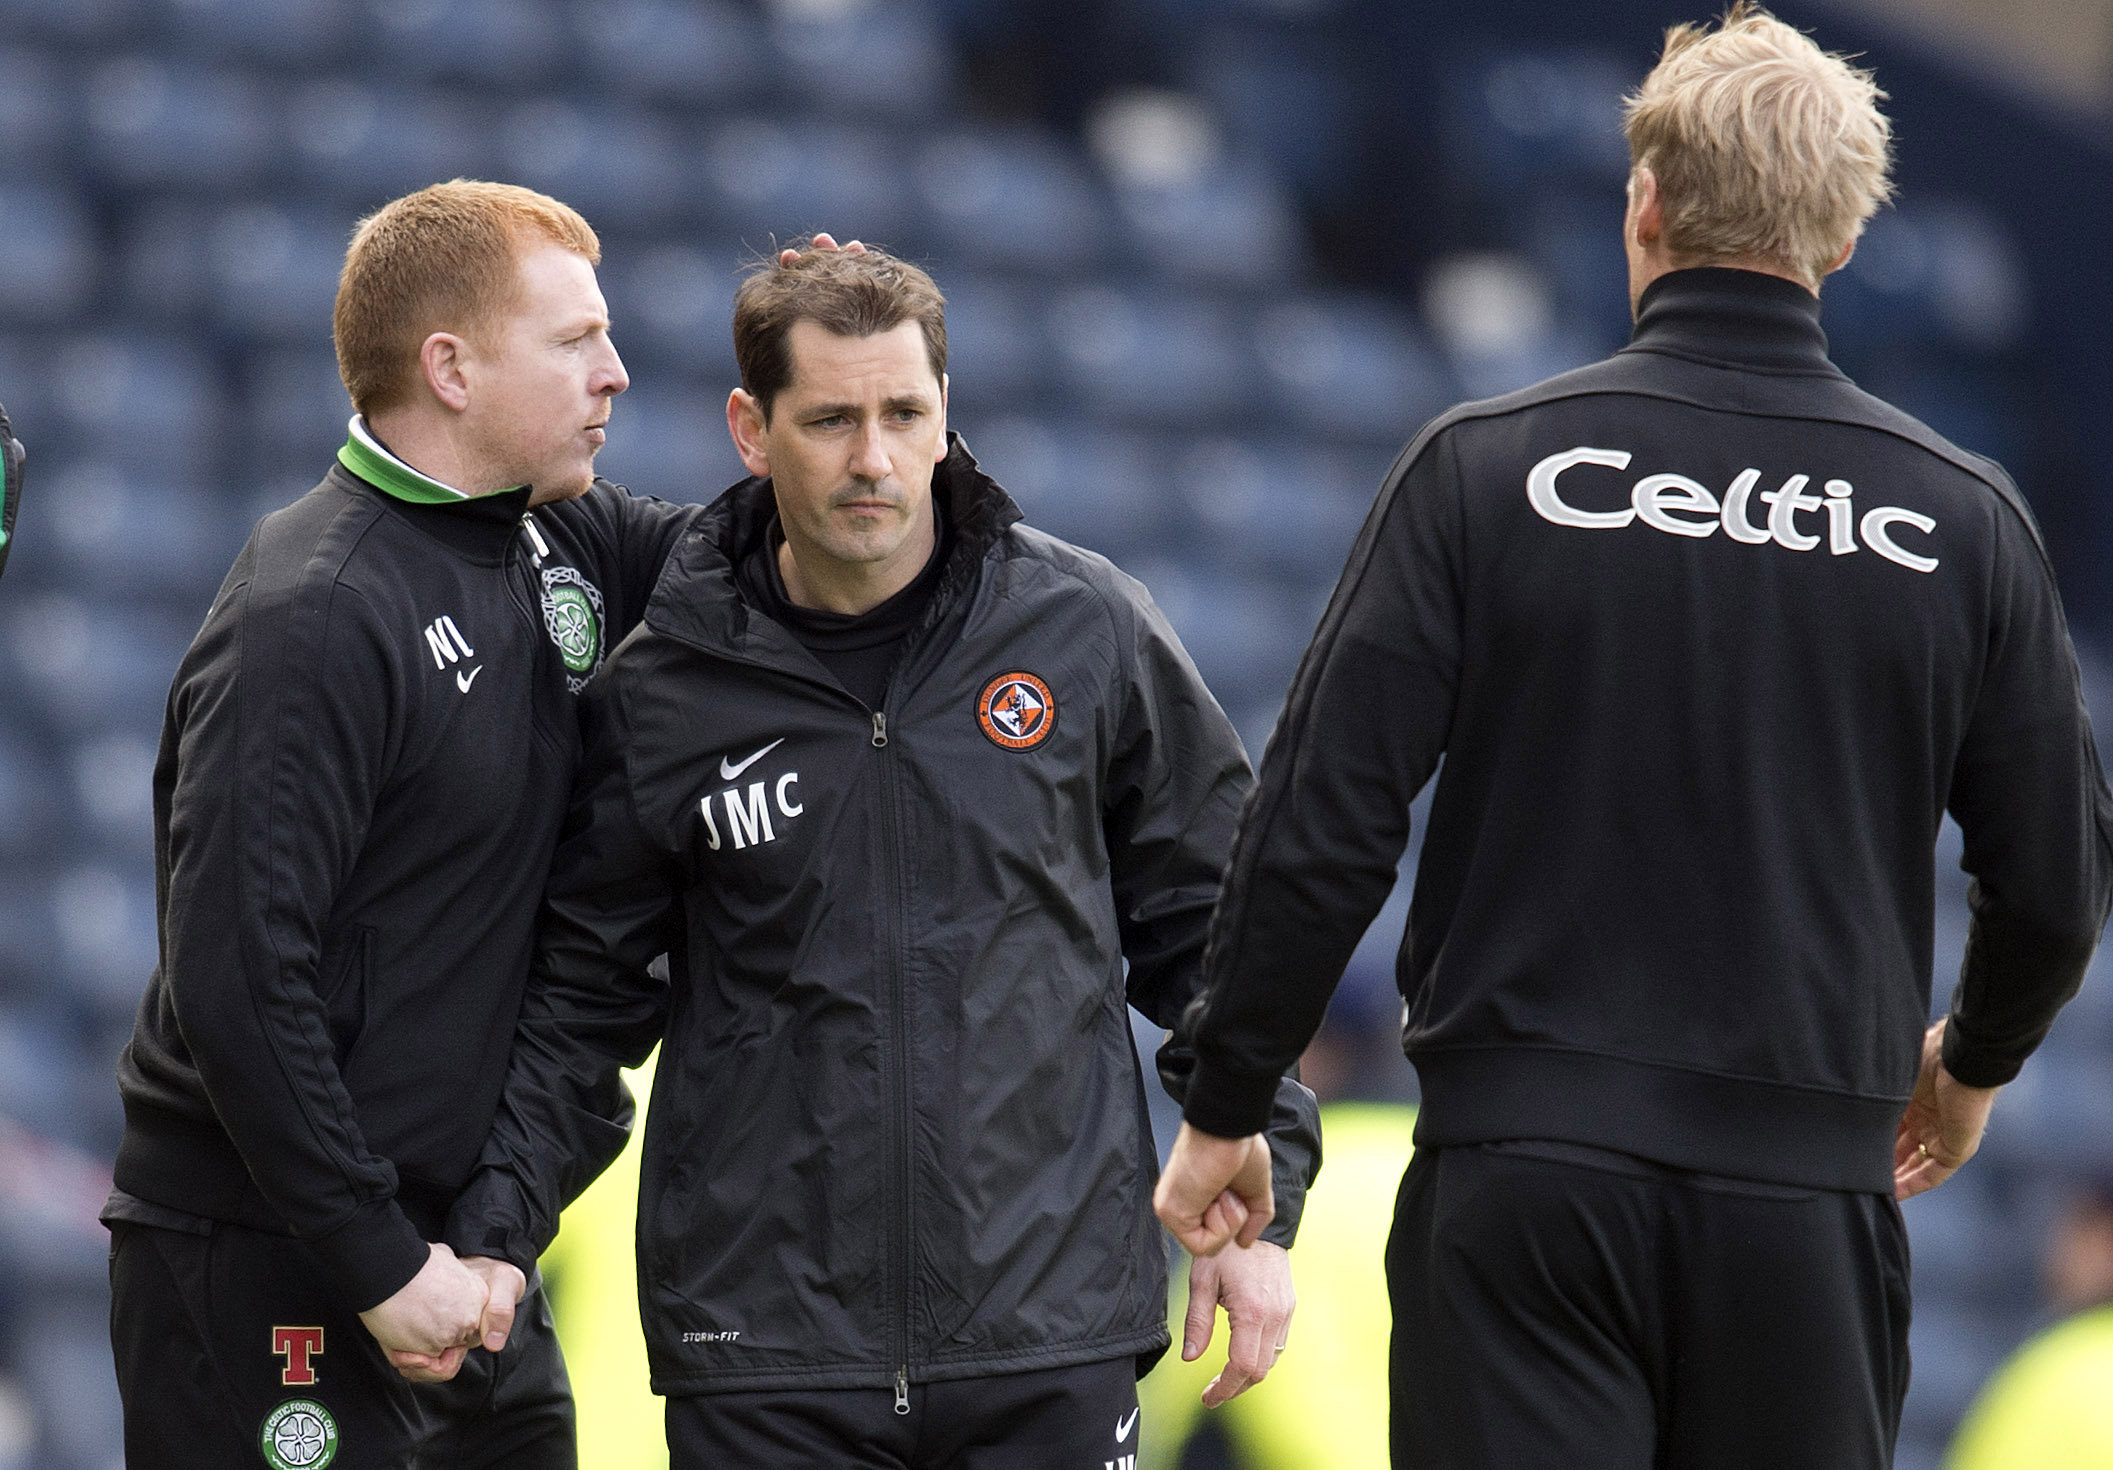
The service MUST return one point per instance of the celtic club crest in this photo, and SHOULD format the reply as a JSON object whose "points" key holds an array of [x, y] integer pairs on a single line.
{"points": [[572, 613], [299, 1435]]}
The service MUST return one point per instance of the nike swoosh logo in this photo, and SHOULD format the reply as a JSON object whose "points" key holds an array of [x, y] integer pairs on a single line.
{"points": [[728, 770], [463, 681], [1124, 1426]]}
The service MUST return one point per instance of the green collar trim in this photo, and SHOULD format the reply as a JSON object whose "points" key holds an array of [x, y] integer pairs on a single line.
{"points": [[365, 456]]}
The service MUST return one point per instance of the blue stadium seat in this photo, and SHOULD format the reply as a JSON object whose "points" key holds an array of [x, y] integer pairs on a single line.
{"points": [[94, 666], [101, 22], [672, 304], [699, 52], [281, 33], [1100, 488], [162, 124], [103, 913], [856, 59], [616, 165], [51, 261], [112, 776], [507, 44], [164, 267], [669, 439], [1288, 507], [294, 405], [140, 400], [1288, 93], [1352, 365], [31, 800], [274, 269], [370, 142], [36, 112], [1233, 222], [121, 535], [1012, 199], [1163, 358], [996, 353], [1514, 117], [1237, 628], [766, 181]]}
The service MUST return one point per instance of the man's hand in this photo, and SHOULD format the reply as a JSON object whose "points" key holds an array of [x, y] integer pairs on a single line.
{"points": [[1253, 1284], [821, 242], [428, 1326], [505, 1286], [1215, 1191], [1942, 1126]]}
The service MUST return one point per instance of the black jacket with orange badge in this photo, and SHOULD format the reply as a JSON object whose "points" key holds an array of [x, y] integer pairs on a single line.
{"points": [[898, 1131]]}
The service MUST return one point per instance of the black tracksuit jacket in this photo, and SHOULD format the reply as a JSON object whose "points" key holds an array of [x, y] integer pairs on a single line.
{"points": [[898, 1131], [1709, 640], [363, 771]]}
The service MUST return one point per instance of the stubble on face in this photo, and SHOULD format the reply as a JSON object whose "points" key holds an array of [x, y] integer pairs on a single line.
{"points": [[850, 446]]}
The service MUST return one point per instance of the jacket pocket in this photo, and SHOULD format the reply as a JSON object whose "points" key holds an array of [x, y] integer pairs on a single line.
{"points": [[348, 961]]}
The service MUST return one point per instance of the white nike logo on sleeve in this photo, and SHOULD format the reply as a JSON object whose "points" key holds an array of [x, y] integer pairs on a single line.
{"points": [[728, 770], [1124, 1426]]}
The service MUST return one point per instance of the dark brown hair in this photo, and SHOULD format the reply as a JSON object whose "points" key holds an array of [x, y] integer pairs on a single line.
{"points": [[440, 260], [848, 294]]}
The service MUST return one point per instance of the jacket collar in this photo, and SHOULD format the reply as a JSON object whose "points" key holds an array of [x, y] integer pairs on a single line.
{"points": [[1733, 318], [478, 527], [698, 600]]}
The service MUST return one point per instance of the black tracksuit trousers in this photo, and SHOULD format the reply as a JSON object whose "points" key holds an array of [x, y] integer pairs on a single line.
{"points": [[1566, 1308], [1071, 1418], [232, 1351]]}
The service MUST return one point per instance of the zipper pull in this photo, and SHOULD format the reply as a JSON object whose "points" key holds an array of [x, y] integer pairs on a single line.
{"points": [[528, 524], [880, 739], [902, 1379]]}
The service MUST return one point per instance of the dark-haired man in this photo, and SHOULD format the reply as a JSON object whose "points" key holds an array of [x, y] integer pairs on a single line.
{"points": [[899, 785]]}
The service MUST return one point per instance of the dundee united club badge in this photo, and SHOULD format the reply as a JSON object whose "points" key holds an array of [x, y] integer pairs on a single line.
{"points": [[299, 1435], [572, 612], [1016, 711]]}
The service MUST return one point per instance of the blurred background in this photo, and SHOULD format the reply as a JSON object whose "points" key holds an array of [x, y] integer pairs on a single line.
{"points": [[1211, 262]]}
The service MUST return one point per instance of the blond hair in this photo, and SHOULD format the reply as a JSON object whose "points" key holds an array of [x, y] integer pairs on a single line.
{"points": [[440, 260], [1764, 146]]}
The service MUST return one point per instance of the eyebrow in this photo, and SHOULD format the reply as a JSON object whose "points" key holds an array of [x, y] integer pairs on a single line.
{"points": [[900, 400]]}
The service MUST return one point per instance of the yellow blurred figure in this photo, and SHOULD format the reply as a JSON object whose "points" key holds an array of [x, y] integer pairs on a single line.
{"points": [[591, 1273], [1325, 1405], [2048, 1408]]}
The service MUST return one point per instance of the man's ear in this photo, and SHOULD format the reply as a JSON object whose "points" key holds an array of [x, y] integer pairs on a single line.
{"points": [[443, 358], [744, 423], [1646, 210], [939, 454], [1843, 258]]}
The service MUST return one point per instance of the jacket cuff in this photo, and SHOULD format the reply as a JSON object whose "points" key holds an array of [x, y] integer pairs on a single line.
{"points": [[1972, 1066], [1229, 1104], [487, 1221], [373, 1255]]}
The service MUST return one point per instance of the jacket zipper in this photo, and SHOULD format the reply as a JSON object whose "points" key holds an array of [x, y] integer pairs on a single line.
{"points": [[898, 1034]]}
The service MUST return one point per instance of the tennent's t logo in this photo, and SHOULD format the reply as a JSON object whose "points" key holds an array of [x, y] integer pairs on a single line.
{"points": [[297, 1345]]}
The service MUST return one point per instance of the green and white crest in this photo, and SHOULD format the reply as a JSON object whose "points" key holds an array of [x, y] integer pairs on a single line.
{"points": [[299, 1435], [572, 612]]}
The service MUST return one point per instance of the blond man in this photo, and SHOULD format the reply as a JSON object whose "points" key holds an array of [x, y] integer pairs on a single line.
{"points": [[363, 768], [1710, 641]]}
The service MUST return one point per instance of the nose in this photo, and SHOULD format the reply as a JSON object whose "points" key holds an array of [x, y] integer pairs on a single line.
{"points": [[869, 453], [612, 379]]}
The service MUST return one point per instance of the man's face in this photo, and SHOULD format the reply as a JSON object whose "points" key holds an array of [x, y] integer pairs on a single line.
{"points": [[541, 378], [850, 446]]}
